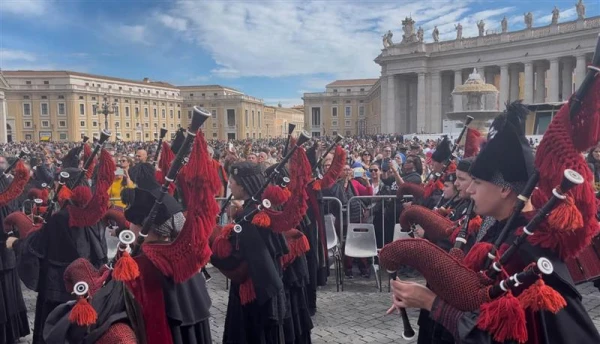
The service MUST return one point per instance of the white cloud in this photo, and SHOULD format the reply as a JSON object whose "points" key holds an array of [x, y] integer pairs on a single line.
{"points": [[131, 33], [32, 8], [171, 22], [16, 55]]}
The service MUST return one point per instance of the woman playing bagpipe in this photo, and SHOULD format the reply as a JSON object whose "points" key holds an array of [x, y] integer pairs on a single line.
{"points": [[250, 251], [67, 234], [155, 288], [13, 313], [477, 297]]}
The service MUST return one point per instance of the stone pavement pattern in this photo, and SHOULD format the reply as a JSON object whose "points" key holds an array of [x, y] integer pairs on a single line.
{"points": [[356, 315]]}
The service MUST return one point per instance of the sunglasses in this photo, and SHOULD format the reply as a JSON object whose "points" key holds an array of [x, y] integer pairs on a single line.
{"points": [[374, 170]]}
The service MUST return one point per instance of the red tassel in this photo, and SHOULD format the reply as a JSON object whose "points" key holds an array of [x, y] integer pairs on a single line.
{"points": [[221, 245], [261, 219], [274, 194], [477, 255], [565, 216], [83, 314], [474, 225], [336, 168], [504, 318], [247, 293], [64, 195], [286, 194], [166, 157], [317, 185], [126, 268], [541, 297], [81, 196]]}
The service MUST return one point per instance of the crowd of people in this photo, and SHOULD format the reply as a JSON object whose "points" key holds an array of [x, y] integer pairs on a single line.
{"points": [[461, 203]]}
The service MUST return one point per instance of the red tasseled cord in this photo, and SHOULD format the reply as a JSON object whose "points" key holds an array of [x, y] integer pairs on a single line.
{"points": [[83, 314], [286, 194], [335, 170], [565, 216], [477, 255], [45, 194], [541, 297], [87, 152], [16, 187], [504, 318], [274, 194], [81, 196], [247, 293], [126, 269], [297, 247], [261, 219], [221, 245], [431, 187], [89, 213], [64, 195]]}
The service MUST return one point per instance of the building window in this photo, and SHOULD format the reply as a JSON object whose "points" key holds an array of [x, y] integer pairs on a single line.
{"points": [[94, 124], [334, 133], [230, 117], [335, 90], [63, 136], [44, 97], [127, 111], [334, 111], [259, 120], [117, 111], [26, 109], [246, 119], [348, 133], [347, 123], [171, 114], [62, 124], [127, 135], [213, 114], [146, 125], [146, 112], [164, 114], [27, 124], [190, 114], [348, 111], [27, 82], [361, 111], [25, 97], [80, 97], [28, 136], [362, 89], [82, 109], [247, 135], [126, 124], [215, 135], [253, 124], [82, 124], [117, 124], [45, 124], [147, 135], [61, 109], [94, 98], [334, 123], [316, 117], [348, 90], [155, 113], [178, 114]]}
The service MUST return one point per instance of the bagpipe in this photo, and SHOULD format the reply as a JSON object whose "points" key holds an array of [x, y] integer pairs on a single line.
{"points": [[564, 223], [336, 168]]}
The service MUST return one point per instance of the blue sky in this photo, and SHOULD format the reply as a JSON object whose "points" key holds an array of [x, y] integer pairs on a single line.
{"points": [[275, 50]]}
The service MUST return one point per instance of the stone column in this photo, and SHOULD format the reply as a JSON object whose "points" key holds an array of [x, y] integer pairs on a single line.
{"points": [[421, 103], [528, 93], [3, 134], [456, 99], [514, 84], [554, 81], [580, 70], [504, 86], [567, 79], [540, 84], [435, 125], [390, 122]]}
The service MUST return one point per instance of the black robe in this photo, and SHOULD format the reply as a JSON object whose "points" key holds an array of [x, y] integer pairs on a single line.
{"points": [[13, 312], [46, 254]]}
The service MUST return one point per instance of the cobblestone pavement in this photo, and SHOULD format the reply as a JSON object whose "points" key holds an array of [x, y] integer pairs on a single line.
{"points": [[356, 315]]}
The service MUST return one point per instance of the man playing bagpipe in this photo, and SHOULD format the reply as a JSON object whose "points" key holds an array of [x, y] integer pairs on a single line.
{"points": [[513, 286]]}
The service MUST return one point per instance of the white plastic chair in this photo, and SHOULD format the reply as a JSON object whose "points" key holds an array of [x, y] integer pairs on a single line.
{"points": [[399, 234], [361, 243], [333, 246]]}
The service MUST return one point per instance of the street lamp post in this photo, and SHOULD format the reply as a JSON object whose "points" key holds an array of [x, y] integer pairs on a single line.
{"points": [[105, 108]]}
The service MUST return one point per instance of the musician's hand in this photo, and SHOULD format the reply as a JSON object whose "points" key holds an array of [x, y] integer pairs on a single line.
{"points": [[407, 205], [10, 241], [411, 295]]}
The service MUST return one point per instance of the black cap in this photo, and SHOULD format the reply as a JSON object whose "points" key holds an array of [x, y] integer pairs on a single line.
{"points": [[249, 175], [442, 151], [507, 158]]}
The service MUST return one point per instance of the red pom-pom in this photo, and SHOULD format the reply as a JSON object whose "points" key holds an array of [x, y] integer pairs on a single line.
{"points": [[261, 219], [504, 318], [565, 216], [274, 194], [477, 255], [474, 225], [64, 194], [126, 269], [286, 194], [81, 196], [541, 297], [83, 314], [317, 185]]}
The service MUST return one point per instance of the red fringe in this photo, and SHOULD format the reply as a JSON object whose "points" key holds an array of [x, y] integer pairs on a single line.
{"points": [[477, 255], [247, 293], [474, 225], [559, 149], [472, 143], [126, 269], [166, 157], [504, 318], [87, 152], [64, 195], [297, 245], [432, 186], [199, 184], [541, 297], [83, 314], [81, 196], [286, 194], [335, 170], [89, 213], [16, 187], [317, 185]]}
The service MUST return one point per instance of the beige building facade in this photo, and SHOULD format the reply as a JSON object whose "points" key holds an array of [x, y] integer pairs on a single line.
{"points": [[341, 109], [61, 106], [282, 117]]}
